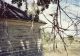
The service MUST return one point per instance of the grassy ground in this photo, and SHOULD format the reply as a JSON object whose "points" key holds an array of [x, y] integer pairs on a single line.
{"points": [[73, 49]]}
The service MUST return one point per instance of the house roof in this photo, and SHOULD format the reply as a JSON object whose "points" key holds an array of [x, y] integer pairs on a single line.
{"points": [[9, 11]]}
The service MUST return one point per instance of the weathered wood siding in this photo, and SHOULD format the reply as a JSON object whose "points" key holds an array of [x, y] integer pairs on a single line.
{"points": [[18, 38]]}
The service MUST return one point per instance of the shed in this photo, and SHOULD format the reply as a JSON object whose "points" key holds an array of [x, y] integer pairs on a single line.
{"points": [[19, 35]]}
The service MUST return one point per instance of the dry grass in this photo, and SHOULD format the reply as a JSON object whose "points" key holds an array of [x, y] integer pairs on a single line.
{"points": [[73, 49]]}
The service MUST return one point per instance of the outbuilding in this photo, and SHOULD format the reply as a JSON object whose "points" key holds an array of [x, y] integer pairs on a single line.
{"points": [[19, 33]]}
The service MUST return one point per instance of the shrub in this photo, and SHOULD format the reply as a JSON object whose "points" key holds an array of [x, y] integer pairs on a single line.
{"points": [[71, 39]]}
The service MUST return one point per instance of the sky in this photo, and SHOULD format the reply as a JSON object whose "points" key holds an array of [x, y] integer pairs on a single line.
{"points": [[69, 8]]}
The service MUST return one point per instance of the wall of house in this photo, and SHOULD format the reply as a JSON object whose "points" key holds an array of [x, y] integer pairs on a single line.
{"points": [[19, 38]]}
